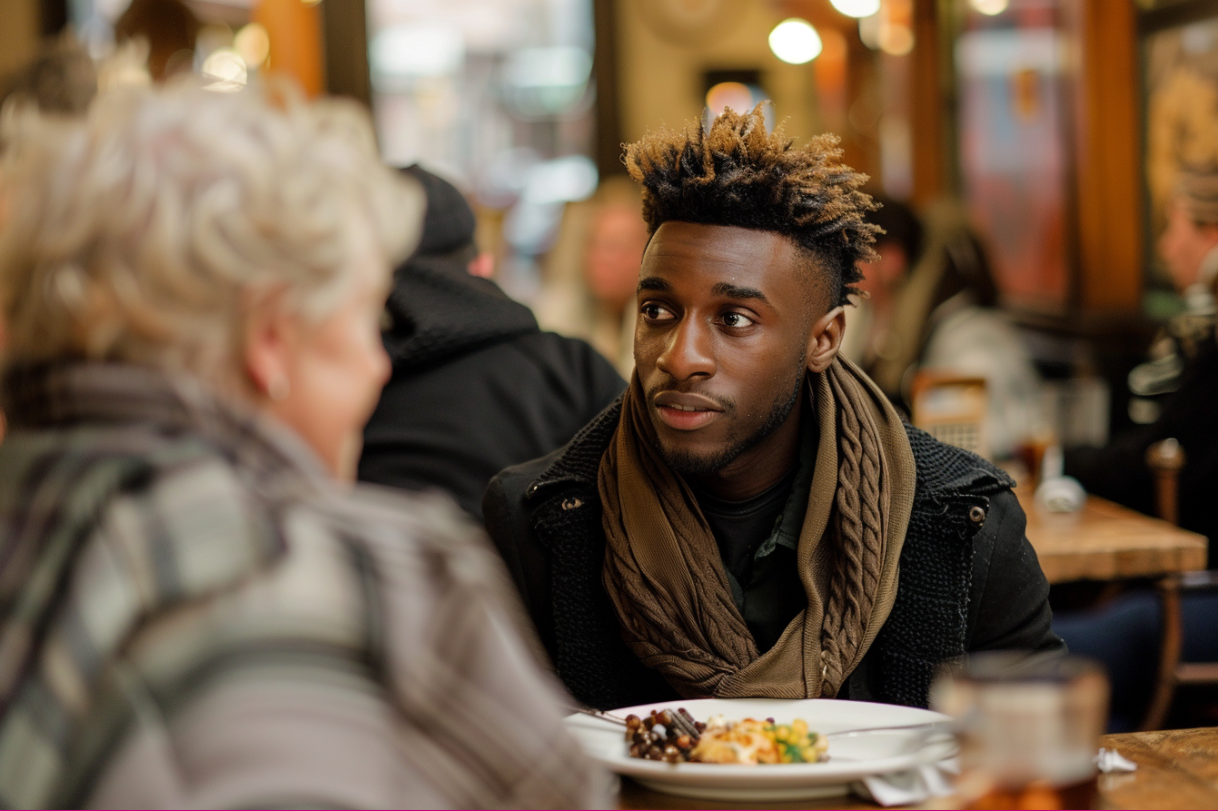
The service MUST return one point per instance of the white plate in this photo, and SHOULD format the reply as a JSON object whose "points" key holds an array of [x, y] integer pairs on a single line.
{"points": [[850, 758]]}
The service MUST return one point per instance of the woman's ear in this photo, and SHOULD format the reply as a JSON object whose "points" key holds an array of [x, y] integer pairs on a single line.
{"points": [[825, 339], [267, 348]]}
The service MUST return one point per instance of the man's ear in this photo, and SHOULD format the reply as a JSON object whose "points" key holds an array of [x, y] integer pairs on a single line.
{"points": [[825, 339]]}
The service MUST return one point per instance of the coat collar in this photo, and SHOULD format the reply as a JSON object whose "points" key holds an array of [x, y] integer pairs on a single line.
{"points": [[579, 462]]}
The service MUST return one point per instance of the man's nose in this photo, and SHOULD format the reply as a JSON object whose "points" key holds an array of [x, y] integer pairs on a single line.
{"points": [[687, 352]]}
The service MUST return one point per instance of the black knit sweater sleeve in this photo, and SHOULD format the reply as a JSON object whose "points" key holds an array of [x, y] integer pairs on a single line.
{"points": [[1009, 600]]}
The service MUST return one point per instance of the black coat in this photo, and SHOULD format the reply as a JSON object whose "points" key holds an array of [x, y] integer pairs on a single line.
{"points": [[1119, 470], [476, 385], [969, 579]]}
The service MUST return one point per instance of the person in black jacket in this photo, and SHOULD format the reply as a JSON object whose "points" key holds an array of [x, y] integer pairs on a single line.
{"points": [[1173, 394], [752, 518], [476, 385]]}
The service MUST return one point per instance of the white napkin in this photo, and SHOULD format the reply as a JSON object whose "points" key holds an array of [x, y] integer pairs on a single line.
{"points": [[908, 787], [1110, 760]]}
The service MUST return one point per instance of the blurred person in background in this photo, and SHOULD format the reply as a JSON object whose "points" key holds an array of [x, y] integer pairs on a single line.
{"points": [[62, 80], [898, 247], [198, 609], [476, 385], [169, 27], [946, 318], [1176, 390], [593, 270]]}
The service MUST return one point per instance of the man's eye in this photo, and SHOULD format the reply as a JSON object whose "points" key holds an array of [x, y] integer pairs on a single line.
{"points": [[736, 320], [655, 312]]}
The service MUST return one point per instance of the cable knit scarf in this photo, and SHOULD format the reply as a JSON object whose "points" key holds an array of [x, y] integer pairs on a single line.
{"points": [[667, 583]]}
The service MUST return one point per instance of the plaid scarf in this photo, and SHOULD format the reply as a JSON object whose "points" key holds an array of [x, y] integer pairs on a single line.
{"points": [[176, 574]]}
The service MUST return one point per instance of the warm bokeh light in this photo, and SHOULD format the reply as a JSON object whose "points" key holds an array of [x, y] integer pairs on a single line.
{"points": [[856, 8], [896, 39], [253, 43], [795, 41], [225, 71], [990, 7], [729, 94]]}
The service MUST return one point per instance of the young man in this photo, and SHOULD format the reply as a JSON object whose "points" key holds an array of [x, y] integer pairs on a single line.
{"points": [[753, 518]]}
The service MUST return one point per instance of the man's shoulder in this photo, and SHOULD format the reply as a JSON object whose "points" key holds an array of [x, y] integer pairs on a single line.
{"points": [[945, 471], [575, 463], [510, 485], [516, 493]]}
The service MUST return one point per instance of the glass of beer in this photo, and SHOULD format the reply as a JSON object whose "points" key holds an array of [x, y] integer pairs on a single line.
{"points": [[1030, 729]]}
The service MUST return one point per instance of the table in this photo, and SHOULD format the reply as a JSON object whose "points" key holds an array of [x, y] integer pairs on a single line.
{"points": [[1105, 541], [1176, 769]]}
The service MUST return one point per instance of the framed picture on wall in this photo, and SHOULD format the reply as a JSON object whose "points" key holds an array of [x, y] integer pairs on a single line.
{"points": [[1013, 136], [1180, 105]]}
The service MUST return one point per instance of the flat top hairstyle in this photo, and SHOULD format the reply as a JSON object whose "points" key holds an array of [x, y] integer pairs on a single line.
{"points": [[737, 174]]}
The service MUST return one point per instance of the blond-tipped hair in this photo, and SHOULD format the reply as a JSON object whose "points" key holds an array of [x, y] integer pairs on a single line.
{"points": [[140, 233], [735, 173]]}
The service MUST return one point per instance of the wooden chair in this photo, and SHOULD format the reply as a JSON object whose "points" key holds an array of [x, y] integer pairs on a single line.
{"points": [[1165, 459], [952, 408]]}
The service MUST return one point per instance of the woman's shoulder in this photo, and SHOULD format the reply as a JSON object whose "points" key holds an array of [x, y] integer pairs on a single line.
{"points": [[398, 528]]}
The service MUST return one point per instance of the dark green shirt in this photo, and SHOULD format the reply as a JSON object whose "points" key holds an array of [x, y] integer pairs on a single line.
{"points": [[758, 539]]}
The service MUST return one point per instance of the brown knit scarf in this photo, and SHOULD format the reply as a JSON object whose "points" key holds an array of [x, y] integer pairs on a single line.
{"points": [[667, 583]]}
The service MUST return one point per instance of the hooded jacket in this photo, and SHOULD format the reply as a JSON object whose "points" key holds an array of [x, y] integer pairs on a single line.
{"points": [[969, 580], [476, 385]]}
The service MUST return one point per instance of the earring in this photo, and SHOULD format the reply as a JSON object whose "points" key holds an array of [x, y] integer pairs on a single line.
{"points": [[278, 388]]}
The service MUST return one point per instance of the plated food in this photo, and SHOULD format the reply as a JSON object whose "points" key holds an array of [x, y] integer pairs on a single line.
{"points": [[674, 736], [854, 757]]}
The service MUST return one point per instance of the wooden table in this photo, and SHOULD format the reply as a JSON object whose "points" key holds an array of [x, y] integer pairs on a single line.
{"points": [[1176, 769], [1105, 541]]}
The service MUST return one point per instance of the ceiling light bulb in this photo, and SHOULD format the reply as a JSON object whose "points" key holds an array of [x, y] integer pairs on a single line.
{"points": [[857, 8], [990, 7], [795, 41]]}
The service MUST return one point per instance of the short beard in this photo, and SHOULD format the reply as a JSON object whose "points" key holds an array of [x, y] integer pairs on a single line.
{"points": [[687, 464]]}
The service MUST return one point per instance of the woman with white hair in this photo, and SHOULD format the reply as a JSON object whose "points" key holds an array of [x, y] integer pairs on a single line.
{"points": [[195, 608]]}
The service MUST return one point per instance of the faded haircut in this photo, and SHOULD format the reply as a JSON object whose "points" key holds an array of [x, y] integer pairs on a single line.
{"points": [[737, 174]]}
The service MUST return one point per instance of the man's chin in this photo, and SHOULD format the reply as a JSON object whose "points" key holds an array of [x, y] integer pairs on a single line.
{"points": [[688, 462]]}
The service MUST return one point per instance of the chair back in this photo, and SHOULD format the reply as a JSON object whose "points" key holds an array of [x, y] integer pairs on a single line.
{"points": [[952, 408]]}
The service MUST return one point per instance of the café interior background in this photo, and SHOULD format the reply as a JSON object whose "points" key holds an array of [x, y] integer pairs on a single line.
{"points": [[1034, 113]]}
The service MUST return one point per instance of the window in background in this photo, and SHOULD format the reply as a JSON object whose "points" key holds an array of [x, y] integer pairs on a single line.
{"points": [[1010, 66], [498, 96]]}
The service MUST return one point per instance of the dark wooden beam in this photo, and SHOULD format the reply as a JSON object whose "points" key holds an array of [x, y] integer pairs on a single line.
{"points": [[932, 107], [607, 148], [345, 38], [1107, 156], [52, 17]]}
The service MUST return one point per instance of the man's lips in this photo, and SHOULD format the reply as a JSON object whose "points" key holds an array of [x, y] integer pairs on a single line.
{"points": [[685, 412]]}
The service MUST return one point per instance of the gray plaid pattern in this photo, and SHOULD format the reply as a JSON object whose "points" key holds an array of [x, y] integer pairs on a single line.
{"points": [[180, 584]]}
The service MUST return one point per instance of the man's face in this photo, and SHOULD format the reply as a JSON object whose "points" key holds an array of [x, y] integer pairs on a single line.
{"points": [[1184, 244], [722, 340]]}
